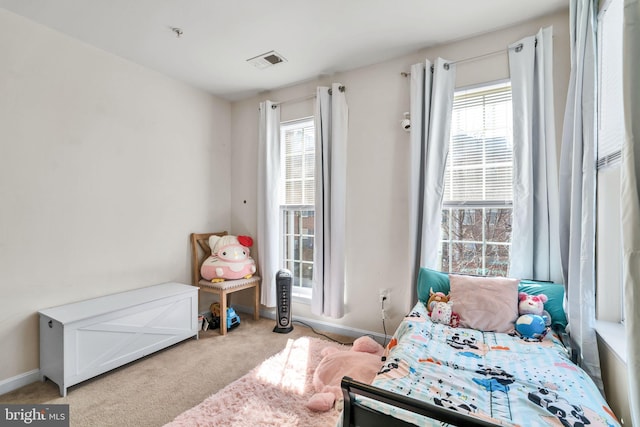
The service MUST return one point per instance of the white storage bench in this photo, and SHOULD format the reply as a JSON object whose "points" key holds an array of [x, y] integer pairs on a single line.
{"points": [[81, 340]]}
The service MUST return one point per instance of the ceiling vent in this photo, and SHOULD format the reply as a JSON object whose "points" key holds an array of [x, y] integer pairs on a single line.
{"points": [[267, 60]]}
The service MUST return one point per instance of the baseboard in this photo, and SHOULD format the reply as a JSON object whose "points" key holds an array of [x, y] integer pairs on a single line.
{"points": [[21, 380], [317, 324]]}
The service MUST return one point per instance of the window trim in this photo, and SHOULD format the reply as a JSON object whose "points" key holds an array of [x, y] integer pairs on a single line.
{"points": [[299, 293], [450, 205]]}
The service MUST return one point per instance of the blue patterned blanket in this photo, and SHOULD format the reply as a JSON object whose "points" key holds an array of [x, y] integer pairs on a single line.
{"points": [[499, 377]]}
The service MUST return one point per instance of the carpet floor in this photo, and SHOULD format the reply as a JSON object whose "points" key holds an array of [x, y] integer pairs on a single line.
{"points": [[156, 389]]}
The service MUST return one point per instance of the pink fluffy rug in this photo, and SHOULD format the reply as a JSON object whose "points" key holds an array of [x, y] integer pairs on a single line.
{"points": [[273, 394]]}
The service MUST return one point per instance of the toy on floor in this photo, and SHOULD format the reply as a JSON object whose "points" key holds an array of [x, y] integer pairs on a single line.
{"points": [[362, 362], [233, 319], [229, 259]]}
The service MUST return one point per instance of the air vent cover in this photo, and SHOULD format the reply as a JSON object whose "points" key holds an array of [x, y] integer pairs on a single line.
{"points": [[267, 60]]}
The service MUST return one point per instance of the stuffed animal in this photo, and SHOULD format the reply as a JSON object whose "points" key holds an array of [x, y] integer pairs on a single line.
{"points": [[531, 327], [533, 304], [362, 362], [442, 313], [435, 297], [229, 259]]}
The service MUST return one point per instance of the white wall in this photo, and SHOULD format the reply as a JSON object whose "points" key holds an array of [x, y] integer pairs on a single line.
{"points": [[105, 169], [377, 248]]}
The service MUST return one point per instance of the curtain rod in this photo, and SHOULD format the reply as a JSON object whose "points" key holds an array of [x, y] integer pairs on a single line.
{"points": [[293, 100], [302, 98], [517, 48]]}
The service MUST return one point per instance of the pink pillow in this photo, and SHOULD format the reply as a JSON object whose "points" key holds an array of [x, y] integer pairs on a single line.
{"points": [[485, 303]]}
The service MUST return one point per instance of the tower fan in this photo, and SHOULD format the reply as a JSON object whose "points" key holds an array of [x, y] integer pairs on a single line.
{"points": [[283, 297]]}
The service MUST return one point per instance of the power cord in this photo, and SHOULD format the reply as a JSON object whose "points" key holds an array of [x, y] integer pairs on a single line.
{"points": [[384, 327], [320, 333]]}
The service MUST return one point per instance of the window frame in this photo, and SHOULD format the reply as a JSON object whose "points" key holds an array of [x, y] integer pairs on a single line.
{"points": [[299, 293], [610, 131], [449, 206]]}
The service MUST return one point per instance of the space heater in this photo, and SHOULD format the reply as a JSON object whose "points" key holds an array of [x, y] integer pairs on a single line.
{"points": [[283, 302]]}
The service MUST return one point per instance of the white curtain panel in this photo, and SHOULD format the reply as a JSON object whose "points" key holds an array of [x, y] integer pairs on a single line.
{"points": [[630, 207], [431, 100], [577, 186], [268, 239], [535, 247], [331, 117]]}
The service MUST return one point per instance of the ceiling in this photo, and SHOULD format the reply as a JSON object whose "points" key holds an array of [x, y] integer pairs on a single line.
{"points": [[316, 37]]}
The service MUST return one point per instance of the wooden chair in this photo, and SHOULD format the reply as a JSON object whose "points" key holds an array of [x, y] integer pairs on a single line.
{"points": [[200, 250]]}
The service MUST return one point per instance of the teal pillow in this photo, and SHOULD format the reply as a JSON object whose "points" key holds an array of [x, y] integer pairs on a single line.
{"points": [[431, 279], [555, 299]]}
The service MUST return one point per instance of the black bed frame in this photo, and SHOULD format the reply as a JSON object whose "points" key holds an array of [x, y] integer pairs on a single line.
{"points": [[357, 415]]}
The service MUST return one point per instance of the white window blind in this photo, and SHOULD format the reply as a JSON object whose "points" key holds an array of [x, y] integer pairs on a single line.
{"points": [[479, 165], [297, 208], [611, 111], [299, 160]]}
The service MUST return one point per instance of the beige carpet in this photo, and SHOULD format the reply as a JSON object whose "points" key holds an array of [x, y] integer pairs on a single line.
{"points": [[154, 390]]}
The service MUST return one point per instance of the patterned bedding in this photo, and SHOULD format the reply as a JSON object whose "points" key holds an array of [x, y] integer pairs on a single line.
{"points": [[499, 377]]}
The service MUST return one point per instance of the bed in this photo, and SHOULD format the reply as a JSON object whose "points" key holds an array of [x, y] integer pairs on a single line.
{"points": [[436, 374]]}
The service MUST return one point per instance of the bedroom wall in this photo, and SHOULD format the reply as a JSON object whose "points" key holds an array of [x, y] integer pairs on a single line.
{"points": [[377, 248], [105, 169]]}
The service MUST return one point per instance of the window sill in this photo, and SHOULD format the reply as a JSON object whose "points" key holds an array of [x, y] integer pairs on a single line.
{"points": [[615, 336], [301, 299]]}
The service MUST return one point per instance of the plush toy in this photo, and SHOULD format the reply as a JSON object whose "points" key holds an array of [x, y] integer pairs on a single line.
{"points": [[442, 313], [533, 304], [229, 259], [362, 362], [531, 327], [435, 297]]}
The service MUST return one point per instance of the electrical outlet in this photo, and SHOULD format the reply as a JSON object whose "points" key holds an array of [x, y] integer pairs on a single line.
{"points": [[384, 295]]}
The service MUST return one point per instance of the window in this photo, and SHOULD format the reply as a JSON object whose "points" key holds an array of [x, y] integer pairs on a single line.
{"points": [[609, 283], [478, 194], [297, 210]]}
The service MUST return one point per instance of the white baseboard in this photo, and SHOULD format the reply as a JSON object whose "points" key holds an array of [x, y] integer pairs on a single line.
{"points": [[21, 380], [317, 324]]}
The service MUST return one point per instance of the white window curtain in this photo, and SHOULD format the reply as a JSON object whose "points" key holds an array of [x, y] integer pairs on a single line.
{"points": [[331, 125], [268, 238], [535, 247], [577, 185], [630, 208], [431, 100]]}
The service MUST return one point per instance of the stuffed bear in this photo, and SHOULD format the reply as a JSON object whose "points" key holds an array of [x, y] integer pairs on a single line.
{"points": [[229, 259], [362, 362], [435, 297], [534, 319], [533, 304]]}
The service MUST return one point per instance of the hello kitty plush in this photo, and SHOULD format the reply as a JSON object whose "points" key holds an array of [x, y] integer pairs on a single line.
{"points": [[229, 259]]}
